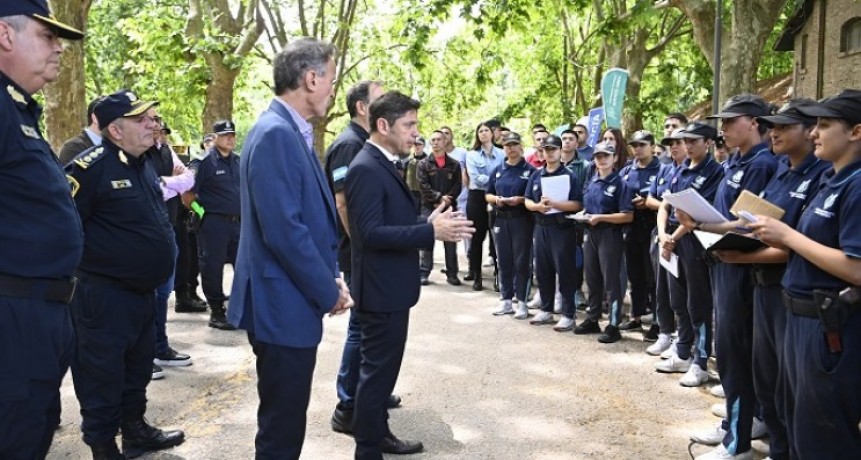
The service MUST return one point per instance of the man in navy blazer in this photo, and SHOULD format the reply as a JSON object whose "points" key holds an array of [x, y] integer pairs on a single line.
{"points": [[287, 276], [385, 266]]}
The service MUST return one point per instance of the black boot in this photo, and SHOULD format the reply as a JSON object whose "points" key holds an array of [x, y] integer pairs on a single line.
{"points": [[195, 299], [184, 303], [476, 284], [106, 451], [218, 317], [140, 437]]}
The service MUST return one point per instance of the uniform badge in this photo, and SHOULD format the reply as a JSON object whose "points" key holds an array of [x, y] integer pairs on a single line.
{"points": [[220, 172], [16, 95], [123, 158], [829, 201], [611, 189], [84, 161], [698, 182], [737, 177], [803, 186], [824, 210], [525, 175], [74, 185], [30, 132], [340, 173], [121, 184], [651, 179], [498, 175], [662, 181]]}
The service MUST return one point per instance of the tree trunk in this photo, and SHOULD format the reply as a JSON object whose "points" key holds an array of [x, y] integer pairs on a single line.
{"points": [[320, 126], [219, 93], [66, 99]]}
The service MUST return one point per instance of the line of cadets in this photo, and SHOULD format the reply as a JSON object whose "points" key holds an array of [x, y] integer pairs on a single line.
{"points": [[802, 390]]}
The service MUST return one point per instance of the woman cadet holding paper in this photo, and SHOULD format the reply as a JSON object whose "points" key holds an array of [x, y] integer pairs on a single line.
{"points": [[608, 208], [820, 366], [690, 294], [791, 188], [732, 284]]}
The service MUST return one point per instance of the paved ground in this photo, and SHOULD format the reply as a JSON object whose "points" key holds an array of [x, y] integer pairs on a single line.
{"points": [[475, 386]]}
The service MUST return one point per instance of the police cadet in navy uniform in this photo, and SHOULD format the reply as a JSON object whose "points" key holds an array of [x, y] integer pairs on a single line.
{"points": [[129, 252], [41, 238], [554, 238], [215, 199], [690, 292], [513, 227], [820, 369], [638, 177], [608, 207], [791, 188], [732, 284]]}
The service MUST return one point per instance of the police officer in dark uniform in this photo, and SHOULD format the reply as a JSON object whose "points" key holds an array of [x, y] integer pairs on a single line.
{"points": [[639, 176], [215, 199], [513, 227], [608, 206], [129, 252], [41, 238], [820, 370], [554, 238], [186, 281]]}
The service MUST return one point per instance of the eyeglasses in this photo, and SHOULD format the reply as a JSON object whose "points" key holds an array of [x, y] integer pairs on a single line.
{"points": [[670, 126]]}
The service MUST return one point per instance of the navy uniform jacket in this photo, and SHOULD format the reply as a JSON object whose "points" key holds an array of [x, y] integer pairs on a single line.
{"points": [[608, 195], [216, 182], [749, 172], [510, 181], [705, 178], [337, 162], [128, 235], [792, 188], [386, 236], [534, 191], [40, 233], [287, 261]]}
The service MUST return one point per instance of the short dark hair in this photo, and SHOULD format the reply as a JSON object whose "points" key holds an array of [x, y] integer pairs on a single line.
{"points": [[504, 128], [92, 106], [678, 116], [580, 125], [538, 125], [298, 58], [360, 92], [390, 107], [493, 123], [568, 131], [437, 131]]}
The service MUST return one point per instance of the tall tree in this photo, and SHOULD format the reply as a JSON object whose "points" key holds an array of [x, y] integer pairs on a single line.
{"points": [[66, 99]]}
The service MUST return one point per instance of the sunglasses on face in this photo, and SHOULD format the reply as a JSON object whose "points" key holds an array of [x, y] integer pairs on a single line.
{"points": [[670, 126]]}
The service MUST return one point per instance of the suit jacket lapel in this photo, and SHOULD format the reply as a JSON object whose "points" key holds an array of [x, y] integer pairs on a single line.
{"points": [[279, 109], [388, 166]]}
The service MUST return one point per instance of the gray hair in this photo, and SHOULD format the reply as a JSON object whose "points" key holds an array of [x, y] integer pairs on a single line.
{"points": [[18, 22], [299, 57]]}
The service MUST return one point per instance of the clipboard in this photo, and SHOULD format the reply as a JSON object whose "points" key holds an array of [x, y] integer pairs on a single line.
{"points": [[728, 241], [755, 205]]}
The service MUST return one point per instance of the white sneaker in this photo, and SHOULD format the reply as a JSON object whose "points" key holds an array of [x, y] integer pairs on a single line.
{"points": [[717, 391], [557, 303], [521, 312], [663, 344], [565, 324], [542, 318], [694, 377], [758, 429], [669, 352], [710, 437], [535, 302], [504, 308], [674, 365], [719, 410], [720, 453]]}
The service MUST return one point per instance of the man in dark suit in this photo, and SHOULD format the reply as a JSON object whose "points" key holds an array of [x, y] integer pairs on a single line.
{"points": [[287, 275], [89, 137], [385, 242]]}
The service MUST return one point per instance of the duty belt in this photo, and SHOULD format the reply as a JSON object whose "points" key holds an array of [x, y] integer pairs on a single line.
{"points": [[801, 307], [768, 274], [557, 219], [52, 290]]}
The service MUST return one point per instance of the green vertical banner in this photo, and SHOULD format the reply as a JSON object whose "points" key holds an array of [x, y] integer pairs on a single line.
{"points": [[613, 87]]}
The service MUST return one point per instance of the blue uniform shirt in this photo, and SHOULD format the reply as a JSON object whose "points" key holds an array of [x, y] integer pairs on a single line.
{"points": [[480, 166], [792, 188], [750, 172], [608, 195], [128, 235], [510, 180], [40, 232], [662, 183], [533, 187], [640, 179], [704, 178], [216, 182], [832, 218]]}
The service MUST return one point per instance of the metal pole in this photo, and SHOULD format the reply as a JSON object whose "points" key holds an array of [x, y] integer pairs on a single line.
{"points": [[717, 56]]}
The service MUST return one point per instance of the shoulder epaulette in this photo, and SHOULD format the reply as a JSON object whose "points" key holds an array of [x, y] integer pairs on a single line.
{"points": [[88, 157]]}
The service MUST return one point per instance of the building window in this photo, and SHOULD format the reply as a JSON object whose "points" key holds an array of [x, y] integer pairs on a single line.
{"points": [[850, 36], [803, 60]]}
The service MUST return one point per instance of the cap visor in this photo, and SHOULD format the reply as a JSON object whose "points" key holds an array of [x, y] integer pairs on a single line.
{"points": [[511, 143], [726, 115], [601, 152], [140, 109], [63, 30], [819, 111], [230, 131], [779, 120], [691, 136], [638, 143]]}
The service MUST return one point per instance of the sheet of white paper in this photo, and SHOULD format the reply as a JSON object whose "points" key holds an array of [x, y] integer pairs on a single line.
{"points": [[556, 188], [707, 239], [691, 202], [671, 265]]}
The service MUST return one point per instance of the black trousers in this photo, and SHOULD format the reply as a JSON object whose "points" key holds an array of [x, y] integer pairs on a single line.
{"points": [[219, 242], [691, 299], [641, 275], [513, 241], [384, 336], [555, 249], [476, 211], [451, 266], [602, 254], [663, 311], [284, 377], [187, 262], [769, 328]]}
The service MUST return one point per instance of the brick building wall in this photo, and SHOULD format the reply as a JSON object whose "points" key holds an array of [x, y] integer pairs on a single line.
{"points": [[839, 70]]}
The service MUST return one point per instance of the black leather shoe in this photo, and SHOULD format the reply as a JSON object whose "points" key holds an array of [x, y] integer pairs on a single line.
{"points": [[342, 421], [476, 285], [220, 323], [470, 276], [631, 325], [140, 437], [393, 445], [106, 451], [587, 327], [652, 334], [611, 335], [454, 281], [393, 401], [425, 281], [185, 304]]}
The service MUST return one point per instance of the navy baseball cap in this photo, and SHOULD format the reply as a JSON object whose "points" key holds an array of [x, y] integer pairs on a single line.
{"points": [[604, 148], [744, 105], [223, 127], [39, 10], [511, 138], [789, 114], [697, 130], [846, 105], [552, 141], [642, 137], [676, 135], [122, 104]]}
